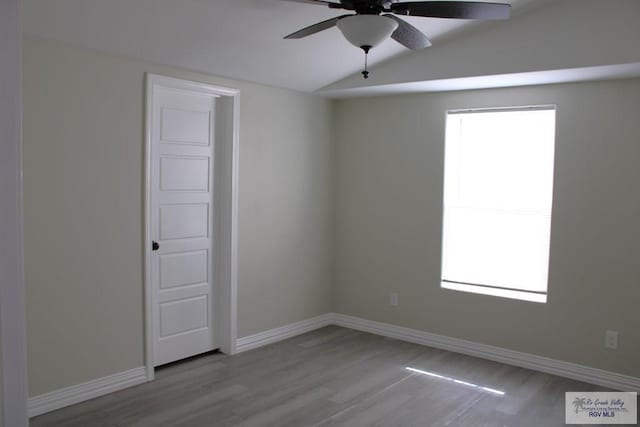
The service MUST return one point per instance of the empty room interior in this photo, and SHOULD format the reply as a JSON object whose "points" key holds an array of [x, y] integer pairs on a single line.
{"points": [[319, 213]]}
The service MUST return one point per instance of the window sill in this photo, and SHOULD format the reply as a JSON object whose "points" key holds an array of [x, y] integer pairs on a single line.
{"points": [[503, 293]]}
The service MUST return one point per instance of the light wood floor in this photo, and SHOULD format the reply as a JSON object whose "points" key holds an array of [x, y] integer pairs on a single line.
{"points": [[330, 377]]}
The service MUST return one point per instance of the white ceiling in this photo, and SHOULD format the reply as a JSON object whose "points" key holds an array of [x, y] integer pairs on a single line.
{"points": [[242, 39]]}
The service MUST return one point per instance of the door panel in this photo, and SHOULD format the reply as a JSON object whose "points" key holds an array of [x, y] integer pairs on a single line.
{"points": [[182, 141], [184, 221], [183, 316], [183, 268], [184, 173], [185, 126]]}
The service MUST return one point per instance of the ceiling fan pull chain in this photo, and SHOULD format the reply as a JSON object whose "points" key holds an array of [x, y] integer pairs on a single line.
{"points": [[365, 73]]}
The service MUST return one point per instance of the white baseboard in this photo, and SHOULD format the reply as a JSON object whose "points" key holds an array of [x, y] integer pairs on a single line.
{"points": [[67, 396], [510, 357], [278, 334], [538, 363], [79, 393], [57, 399]]}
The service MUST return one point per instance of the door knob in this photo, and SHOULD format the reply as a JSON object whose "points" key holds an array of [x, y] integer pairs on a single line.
{"points": [[155, 246]]}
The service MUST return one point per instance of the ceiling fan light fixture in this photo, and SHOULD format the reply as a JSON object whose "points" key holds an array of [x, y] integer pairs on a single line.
{"points": [[366, 31]]}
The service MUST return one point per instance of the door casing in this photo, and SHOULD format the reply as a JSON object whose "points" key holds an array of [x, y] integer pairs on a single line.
{"points": [[225, 205]]}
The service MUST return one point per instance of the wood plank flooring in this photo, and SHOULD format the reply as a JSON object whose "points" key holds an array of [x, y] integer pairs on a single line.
{"points": [[332, 377]]}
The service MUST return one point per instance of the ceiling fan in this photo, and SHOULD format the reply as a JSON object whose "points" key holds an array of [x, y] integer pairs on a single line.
{"points": [[376, 20]]}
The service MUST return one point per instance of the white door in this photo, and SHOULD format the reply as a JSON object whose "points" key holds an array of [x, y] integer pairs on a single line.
{"points": [[182, 147]]}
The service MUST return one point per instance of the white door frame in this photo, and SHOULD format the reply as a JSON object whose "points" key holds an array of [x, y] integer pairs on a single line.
{"points": [[13, 353], [226, 207]]}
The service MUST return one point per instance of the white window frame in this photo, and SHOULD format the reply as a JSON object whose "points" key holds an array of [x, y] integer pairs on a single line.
{"points": [[488, 289]]}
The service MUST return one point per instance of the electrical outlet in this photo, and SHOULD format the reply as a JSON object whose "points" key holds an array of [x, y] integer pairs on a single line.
{"points": [[611, 340], [393, 300]]}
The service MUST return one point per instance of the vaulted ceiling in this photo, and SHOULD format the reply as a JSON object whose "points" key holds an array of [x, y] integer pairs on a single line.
{"points": [[234, 38], [243, 39]]}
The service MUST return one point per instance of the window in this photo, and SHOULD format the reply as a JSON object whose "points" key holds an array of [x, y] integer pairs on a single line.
{"points": [[497, 202]]}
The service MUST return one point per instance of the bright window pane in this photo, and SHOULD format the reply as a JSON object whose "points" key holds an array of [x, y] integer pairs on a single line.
{"points": [[497, 199]]}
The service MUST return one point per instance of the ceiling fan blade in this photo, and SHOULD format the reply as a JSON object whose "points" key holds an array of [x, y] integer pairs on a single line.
{"points": [[408, 35], [453, 9], [343, 4], [318, 2], [315, 28]]}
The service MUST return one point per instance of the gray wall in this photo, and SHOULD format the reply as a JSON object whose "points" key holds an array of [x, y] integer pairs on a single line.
{"points": [[13, 373], [83, 168], [363, 215], [389, 169]]}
